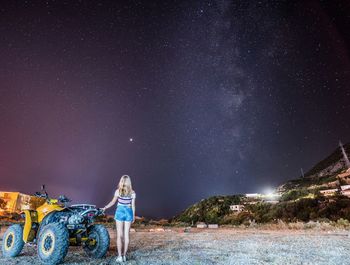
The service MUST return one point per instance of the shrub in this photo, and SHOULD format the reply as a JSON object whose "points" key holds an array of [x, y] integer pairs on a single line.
{"points": [[294, 194], [210, 210], [342, 223], [230, 219], [110, 220]]}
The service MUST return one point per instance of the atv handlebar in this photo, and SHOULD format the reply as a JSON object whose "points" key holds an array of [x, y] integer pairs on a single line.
{"points": [[43, 194], [64, 199]]}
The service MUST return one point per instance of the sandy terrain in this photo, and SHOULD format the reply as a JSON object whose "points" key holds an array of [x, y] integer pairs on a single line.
{"points": [[223, 246]]}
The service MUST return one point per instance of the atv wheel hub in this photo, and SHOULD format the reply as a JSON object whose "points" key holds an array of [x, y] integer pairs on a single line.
{"points": [[9, 241], [48, 243], [92, 241]]}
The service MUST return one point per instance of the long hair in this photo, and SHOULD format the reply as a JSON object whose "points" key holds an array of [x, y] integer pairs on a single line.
{"points": [[125, 187]]}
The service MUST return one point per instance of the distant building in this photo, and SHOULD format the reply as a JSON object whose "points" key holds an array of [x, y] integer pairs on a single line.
{"points": [[345, 175], [269, 196], [10, 199], [237, 208], [346, 193], [345, 190], [271, 201], [213, 226], [17, 202], [252, 202], [329, 192], [253, 195], [345, 187], [201, 225]]}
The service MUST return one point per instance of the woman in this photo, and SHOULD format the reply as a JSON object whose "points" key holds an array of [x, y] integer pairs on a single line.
{"points": [[125, 213]]}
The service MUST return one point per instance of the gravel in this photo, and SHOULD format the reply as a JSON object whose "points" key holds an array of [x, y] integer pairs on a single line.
{"points": [[219, 246]]}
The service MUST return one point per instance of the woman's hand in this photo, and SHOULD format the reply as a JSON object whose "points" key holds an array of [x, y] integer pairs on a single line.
{"points": [[112, 202]]}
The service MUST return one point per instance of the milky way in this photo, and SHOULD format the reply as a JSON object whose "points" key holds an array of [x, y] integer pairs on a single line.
{"points": [[190, 98]]}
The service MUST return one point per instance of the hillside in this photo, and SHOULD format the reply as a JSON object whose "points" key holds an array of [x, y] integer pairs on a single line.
{"points": [[208, 210], [324, 172], [300, 199]]}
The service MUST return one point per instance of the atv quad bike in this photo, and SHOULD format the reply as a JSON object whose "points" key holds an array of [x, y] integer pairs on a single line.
{"points": [[53, 227]]}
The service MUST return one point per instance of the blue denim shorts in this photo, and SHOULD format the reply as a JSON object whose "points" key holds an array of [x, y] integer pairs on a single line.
{"points": [[124, 214]]}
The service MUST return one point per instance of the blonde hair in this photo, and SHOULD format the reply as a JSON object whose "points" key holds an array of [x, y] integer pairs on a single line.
{"points": [[125, 187]]}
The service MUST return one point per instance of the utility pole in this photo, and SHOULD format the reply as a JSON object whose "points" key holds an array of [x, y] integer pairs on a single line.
{"points": [[302, 173], [346, 158]]}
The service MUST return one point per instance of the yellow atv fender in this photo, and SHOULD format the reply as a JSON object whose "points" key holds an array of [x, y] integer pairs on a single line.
{"points": [[47, 208], [28, 232]]}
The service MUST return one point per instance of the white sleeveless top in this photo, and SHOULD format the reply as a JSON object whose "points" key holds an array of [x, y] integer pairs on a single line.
{"points": [[125, 200]]}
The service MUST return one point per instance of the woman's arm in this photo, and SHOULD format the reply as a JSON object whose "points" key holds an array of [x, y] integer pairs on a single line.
{"points": [[133, 207], [112, 202]]}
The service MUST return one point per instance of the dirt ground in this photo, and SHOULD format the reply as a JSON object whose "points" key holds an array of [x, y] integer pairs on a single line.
{"points": [[221, 246]]}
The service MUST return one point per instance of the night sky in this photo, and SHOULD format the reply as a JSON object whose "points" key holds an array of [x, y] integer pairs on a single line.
{"points": [[190, 98]]}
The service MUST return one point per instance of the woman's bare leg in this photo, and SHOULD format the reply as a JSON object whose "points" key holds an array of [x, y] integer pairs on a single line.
{"points": [[126, 236], [120, 233]]}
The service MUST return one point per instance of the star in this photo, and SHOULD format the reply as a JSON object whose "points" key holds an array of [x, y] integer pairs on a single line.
{"points": [[131, 140]]}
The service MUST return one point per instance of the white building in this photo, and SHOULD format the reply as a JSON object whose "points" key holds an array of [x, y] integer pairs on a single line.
{"points": [[201, 225], [345, 187], [344, 175], [237, 208], [271, 201], [252, 202], [346, 193], [15, 202], [345, 190], [253, 195], [329, 192]]}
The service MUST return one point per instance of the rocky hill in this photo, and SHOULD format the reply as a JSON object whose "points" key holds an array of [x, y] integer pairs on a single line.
{"points": [[323, 175], [300, 199]]}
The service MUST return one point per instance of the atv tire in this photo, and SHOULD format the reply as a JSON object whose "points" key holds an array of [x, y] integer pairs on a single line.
{"points": [[53, 217], [98, 243], [12, 243], [53, 243]]}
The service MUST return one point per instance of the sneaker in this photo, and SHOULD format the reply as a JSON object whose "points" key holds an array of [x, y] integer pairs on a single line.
{"points": [[124, 258], [119, 259]]}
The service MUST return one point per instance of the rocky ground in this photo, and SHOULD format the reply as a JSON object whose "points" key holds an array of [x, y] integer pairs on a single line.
{"points": [[222, 246]]}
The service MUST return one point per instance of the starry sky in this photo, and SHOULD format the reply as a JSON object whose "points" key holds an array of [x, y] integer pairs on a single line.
{"points": [[190, 98]]}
